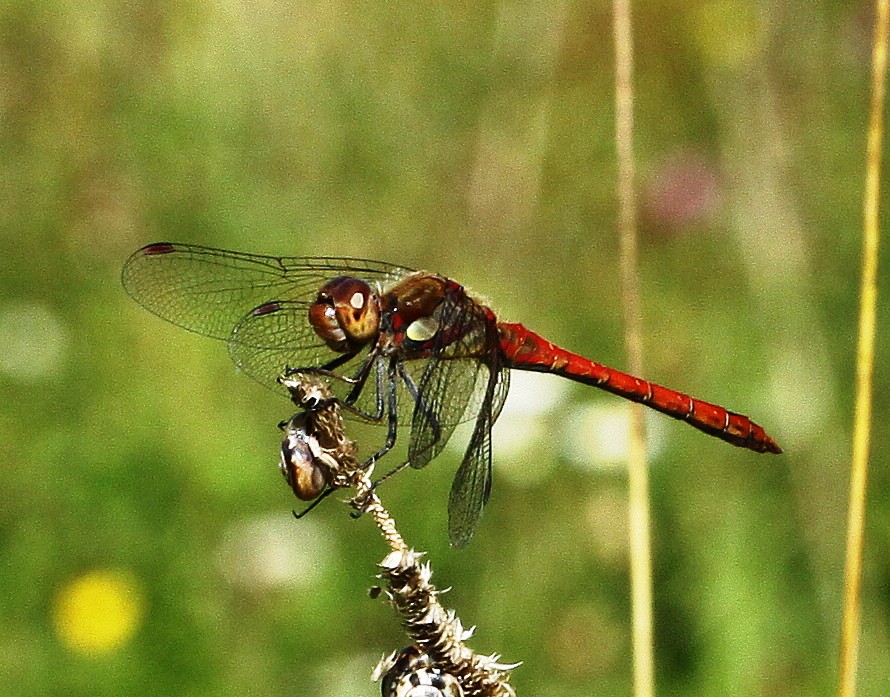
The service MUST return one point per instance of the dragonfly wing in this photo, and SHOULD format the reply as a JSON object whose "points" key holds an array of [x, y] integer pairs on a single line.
{"points": [[455, 379], [274, 337], [277, 336], [472, 482], [209, 291], [443, 395]]}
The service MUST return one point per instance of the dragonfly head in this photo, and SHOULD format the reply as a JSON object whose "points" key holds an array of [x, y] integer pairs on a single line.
{"points": [[346, 314]]}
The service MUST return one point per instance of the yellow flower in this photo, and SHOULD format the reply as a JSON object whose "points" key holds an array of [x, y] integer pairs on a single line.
{"points": [[99, 611]]}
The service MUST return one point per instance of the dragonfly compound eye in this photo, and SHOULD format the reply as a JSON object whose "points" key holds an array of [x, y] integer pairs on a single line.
{"points": [[346, 314]]}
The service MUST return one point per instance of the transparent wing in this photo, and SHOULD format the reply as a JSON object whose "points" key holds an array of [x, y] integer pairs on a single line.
{"points": [[446, 389], [453, 381], [277, 336], [209, 291], [472, 481]]}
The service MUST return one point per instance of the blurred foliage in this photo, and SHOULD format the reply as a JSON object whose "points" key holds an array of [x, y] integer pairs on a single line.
{"points": [[474, 139]]}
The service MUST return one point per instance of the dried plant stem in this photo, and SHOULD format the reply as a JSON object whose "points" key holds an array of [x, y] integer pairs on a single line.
{"points": [[435, 631], [849, 648], [438, 632], [382, 518], [638, 477]]}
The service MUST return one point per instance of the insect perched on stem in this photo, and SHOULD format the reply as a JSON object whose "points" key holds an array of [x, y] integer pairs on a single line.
{"points": [[404, 346]]}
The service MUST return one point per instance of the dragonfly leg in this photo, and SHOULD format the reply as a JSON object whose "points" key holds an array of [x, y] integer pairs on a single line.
{"points": [[425, 411], [357, 381], [327, 369], [361, 377], [321, 497], [360, 380], [323, 371], [360, 505], [389, 474], [391, 409]]}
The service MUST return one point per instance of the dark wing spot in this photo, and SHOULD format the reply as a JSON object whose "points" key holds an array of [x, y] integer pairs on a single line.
{"points": [[265, 309], [158, 248]]}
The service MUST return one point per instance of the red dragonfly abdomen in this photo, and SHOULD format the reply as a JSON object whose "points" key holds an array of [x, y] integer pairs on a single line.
{"points": [[526, 350]]}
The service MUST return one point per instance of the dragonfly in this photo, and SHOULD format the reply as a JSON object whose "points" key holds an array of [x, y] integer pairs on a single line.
{"points": [[403, 347]]}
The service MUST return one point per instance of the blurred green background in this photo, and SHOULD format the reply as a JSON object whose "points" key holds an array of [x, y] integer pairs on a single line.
{"points": [[147, 540]]}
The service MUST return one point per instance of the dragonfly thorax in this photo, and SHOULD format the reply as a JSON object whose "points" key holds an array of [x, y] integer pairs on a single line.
{"points": [[346, 314], [411, 322]]}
